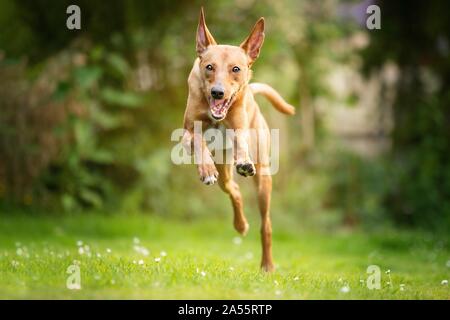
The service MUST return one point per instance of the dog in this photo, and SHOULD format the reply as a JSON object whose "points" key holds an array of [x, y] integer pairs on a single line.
{"points": [[220, 93]]}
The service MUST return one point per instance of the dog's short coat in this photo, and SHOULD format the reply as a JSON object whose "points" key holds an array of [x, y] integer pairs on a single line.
{"points": [[219, 91]]}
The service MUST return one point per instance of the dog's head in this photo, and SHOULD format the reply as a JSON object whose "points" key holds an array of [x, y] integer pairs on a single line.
{"points": [[225, 69]]}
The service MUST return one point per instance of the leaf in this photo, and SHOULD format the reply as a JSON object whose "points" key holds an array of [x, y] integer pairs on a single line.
{"points": [[119, 64], [104, 119], [91, 197], [97, 53], [61, 91], [84, 136], [86, 77], [101, 156], [68, 202], [121, 98]]}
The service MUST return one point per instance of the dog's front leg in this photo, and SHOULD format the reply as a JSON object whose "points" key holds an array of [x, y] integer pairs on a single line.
{"points": [[244, 165], [205, 164], [195, 142], [239, 122]]}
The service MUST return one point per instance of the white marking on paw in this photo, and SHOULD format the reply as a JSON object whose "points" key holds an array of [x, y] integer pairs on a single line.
{"points": [[210, 180]]}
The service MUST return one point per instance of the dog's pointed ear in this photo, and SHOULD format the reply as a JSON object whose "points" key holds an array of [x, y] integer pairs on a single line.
{"points": [[204, 37], [252, 45]]}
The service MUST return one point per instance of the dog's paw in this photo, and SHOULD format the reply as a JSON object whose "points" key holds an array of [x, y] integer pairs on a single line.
{"points": [[209, 180], [241, 226], [208, 174], [246, 169], [267, 267]]}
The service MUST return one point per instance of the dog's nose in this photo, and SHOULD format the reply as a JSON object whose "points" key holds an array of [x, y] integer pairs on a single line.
{"points": [[217, 93]]}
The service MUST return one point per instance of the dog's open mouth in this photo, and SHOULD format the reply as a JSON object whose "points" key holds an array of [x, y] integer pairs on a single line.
{"points": [[219, 108]]}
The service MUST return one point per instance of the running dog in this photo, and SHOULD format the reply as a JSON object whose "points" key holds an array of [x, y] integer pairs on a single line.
{"points": [[220, 93]]}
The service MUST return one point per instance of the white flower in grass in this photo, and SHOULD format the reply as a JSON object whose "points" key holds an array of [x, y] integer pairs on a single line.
{"points": [[81, 250], [15, 263], [444, 282], [108, 250], [79, 243], [141, 262], [157, 259], [163, 253], [296, 278], [278, 292], [237, 240], [134, 261], [231, 268], [388, 271], [345, 289], [99, 255], [402, 287], [19, 251], [203, 273], [276, 282]]}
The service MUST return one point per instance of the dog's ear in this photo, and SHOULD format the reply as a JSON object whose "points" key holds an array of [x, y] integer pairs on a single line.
{"points": [[204, 37], [252, 45]]}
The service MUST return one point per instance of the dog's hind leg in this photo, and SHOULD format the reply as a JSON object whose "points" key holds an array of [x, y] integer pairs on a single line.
{"points": [[264, 186], [228, 185], [260, 144]]}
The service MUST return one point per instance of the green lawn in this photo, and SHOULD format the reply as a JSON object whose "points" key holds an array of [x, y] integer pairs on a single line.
{"points": [[207, 260]]}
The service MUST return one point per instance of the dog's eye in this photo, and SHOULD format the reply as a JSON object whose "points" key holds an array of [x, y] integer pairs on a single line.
{"points": [[236, 69], [209, 67]]}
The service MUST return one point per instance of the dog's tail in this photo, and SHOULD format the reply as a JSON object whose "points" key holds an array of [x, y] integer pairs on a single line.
{"points": [[273, 96]]}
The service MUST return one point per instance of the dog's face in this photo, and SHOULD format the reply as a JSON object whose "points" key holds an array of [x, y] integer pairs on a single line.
{"points": [[225, 69]]}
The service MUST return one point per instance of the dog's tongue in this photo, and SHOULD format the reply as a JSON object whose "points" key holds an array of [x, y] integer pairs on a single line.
{"points": [[216, 102]]}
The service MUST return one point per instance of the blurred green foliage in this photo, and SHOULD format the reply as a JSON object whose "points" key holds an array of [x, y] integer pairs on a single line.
{"points": [[416, 37], [87, 115]]}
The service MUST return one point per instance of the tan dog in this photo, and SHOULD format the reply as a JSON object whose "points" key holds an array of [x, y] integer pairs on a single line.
{"points": [[219, 92]]}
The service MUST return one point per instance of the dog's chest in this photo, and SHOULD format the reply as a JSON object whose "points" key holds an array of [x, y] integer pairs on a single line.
{"points": [[219, 137]]}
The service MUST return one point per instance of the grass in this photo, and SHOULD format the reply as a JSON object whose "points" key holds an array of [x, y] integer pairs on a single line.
{"points": [[206, 260]]}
